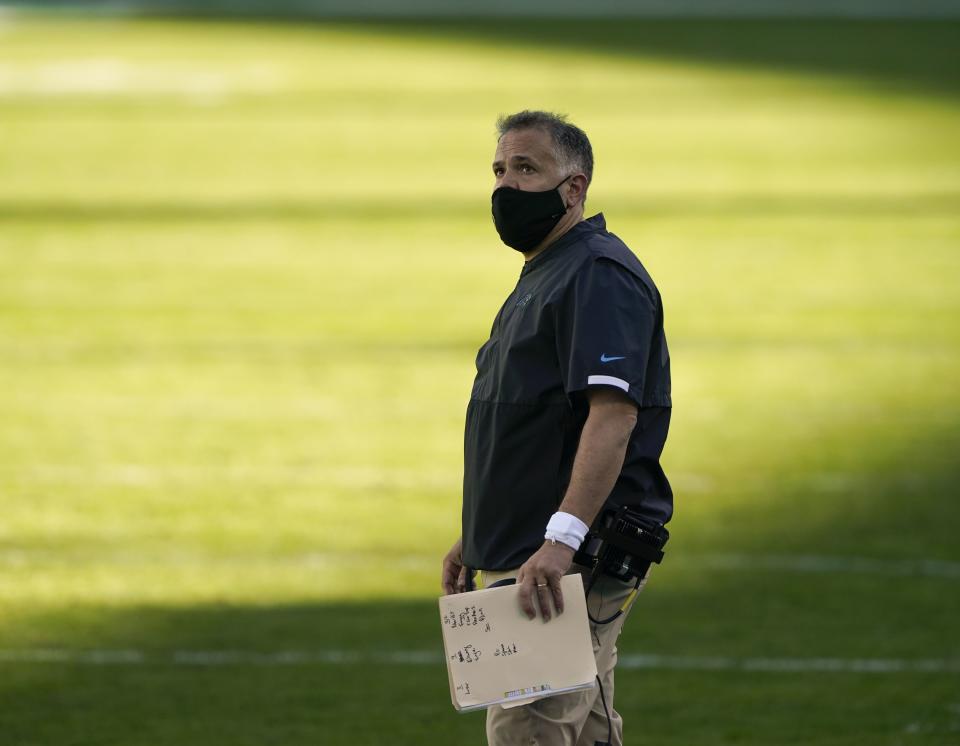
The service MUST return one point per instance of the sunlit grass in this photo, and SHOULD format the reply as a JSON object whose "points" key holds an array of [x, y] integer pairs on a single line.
{"points": [[244, 270]]}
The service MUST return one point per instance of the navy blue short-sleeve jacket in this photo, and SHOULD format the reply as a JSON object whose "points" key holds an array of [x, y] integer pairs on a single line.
{"points": [[584, 313]]}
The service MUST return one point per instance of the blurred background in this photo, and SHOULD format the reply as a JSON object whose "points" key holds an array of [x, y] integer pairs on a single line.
{"points": [[246, 261]]}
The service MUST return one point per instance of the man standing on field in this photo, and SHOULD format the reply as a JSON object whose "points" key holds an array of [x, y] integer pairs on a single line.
{"points": [[568, 415]]}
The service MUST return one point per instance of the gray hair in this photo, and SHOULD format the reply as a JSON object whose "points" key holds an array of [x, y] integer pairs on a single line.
{"points": [[570, 143]]}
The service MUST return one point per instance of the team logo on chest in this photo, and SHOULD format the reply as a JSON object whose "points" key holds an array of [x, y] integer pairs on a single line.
{"points": [[523, 301]]}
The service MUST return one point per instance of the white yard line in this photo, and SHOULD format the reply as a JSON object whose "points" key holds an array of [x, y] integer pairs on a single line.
{"points": [[792, 665], [221, 658]]}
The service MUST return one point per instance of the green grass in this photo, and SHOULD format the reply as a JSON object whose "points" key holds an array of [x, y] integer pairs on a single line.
{"points": [[244, 270]]}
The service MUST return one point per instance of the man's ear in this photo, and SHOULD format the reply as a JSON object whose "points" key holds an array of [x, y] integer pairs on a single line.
{"points": [[576, 190]]}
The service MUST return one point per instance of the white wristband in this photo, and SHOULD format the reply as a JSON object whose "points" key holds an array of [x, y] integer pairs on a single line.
{"points": [[567, 529]]}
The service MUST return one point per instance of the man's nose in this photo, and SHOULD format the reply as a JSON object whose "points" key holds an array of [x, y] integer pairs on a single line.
{"points": [[507, 180]]}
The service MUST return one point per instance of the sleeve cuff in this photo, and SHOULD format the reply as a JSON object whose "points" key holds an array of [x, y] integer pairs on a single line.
{"points": [[608, 381]]}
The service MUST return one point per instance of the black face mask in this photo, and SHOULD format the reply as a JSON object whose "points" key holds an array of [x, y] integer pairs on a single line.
{"points": [[523, 219]]}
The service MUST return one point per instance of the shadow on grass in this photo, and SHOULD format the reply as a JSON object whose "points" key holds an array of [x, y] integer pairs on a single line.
{"points": [[370, 672], [172, 676], [907, 56], [687, 204]]}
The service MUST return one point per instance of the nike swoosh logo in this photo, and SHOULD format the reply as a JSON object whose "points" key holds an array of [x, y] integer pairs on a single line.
{"points": [[605, 359]]}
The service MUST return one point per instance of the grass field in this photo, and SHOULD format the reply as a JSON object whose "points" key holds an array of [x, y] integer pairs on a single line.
{"points": [[244, 270]]}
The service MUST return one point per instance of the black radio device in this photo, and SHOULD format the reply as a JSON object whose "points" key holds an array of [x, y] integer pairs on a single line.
{"points": [[623, 543]]}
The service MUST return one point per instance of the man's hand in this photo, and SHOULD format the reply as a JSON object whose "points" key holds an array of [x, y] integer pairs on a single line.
{"points": [[453, 579], [540, 576]]}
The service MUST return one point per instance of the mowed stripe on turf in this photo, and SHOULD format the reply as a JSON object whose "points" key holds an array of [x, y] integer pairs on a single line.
{"points": [[815, 564]]}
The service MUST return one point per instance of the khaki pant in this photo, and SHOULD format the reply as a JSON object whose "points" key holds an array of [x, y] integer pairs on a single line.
{"points": [[577, 718]]}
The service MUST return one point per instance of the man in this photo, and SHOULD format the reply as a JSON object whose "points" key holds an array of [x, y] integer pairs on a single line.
{"points": [[568, 415]]}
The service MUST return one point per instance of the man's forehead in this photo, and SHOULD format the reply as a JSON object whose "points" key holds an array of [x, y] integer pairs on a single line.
{"points": [[530, 142]]}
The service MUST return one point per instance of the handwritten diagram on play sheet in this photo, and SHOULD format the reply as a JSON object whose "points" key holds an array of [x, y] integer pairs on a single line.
{"points": [[496, 655]]}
